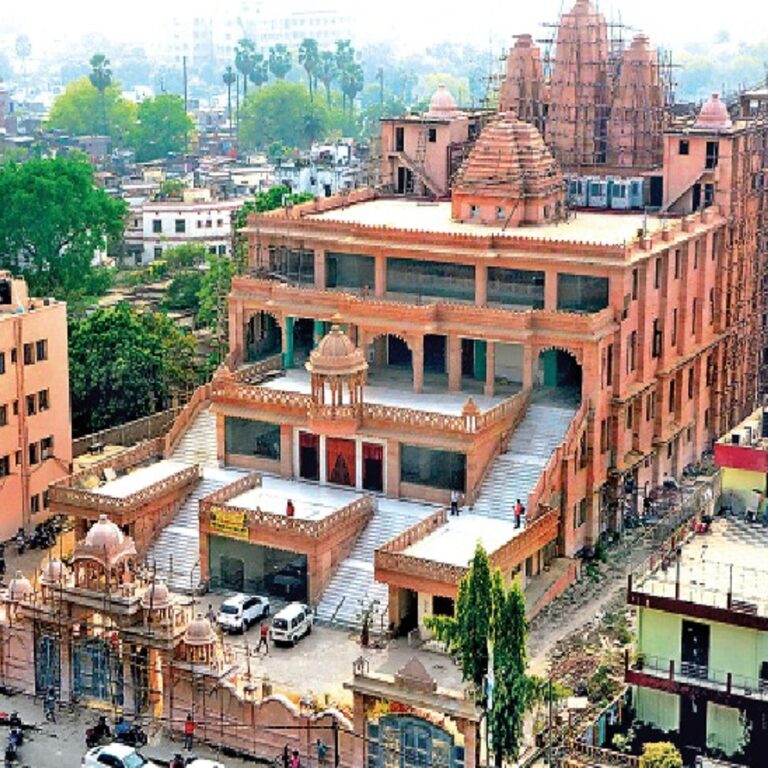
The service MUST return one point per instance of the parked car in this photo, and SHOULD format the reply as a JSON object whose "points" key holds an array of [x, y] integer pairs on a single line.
{"points": [[239, 612], [292, 623], [116, 756]]}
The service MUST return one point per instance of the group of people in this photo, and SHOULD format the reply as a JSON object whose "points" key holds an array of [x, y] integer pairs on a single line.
{"points": [[293, 759]]}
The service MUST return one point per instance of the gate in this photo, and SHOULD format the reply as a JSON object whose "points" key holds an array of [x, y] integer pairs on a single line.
{"points": [[98, 672], [47, 662], [404, 741]]}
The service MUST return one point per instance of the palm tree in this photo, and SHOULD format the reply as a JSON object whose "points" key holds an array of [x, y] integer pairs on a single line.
{"points": [[309, 58], [101, 79], [327, 72], [244, 60], [260, 72], [351, 80], [229, 77], [345, 57], [279, 61]]}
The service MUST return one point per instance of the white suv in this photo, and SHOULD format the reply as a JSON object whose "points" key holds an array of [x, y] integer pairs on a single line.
{"points": [[115, 756], [239, 612]]}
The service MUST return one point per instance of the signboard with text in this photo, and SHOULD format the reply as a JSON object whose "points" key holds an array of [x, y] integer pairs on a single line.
{"points": [[230, 522]]}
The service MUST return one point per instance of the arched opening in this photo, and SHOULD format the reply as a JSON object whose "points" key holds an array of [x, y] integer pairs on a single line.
{"points": [[263, 337], [390, 362], [560, 375]]}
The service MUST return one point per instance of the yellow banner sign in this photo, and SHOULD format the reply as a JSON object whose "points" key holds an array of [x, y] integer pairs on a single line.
{"points": [[230, 522]]}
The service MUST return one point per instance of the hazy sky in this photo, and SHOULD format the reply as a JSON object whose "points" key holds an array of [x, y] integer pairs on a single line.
{"points": [[414, 22]]}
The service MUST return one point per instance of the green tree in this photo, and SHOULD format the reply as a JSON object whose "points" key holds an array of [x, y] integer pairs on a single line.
{"points": [[78, 111], [245, 53], [260, 73], [229, 78], [660, 754], [279, 112], [327, 72], [345, 58], [163, 126], [140, 362], [186, 256], [280, 61], [309, 58], [351, 79], [101, 79], [212, 301], [183, 292], [53, 220]]}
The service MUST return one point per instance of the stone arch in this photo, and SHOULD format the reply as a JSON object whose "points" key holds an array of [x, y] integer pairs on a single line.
{"points": [[389, 356], [262, 335], [560, 369]]}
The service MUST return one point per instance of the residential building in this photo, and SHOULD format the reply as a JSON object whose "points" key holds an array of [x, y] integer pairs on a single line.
{"points": [[35, 429]]}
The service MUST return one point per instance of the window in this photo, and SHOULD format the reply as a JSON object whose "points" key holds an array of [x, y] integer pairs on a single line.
{"points": [[2, 362], [713, 154], [684, 147], [432, 135], [208, 223], [400, 139], [474, 211], [694, 309], [42, 349], [3, 415], [711, 305], [709, 194], [29, 354], [18, 458], [34, 503], [46, 499], [157, 226], [650, 406], [656, 339], [434, 468], [199, 224], [669, 450], [673, 340], [657, 274], [672, 387], [33, 453], [247, 437], [581, 293], [31, 405], [5, 466], [630, 416], [632, 352], [180, 226], [706, 419], [212, 250], [604, 435], [500, 213], [158, 252], [13, 355], [710, 377], [580, 513], [222, 250], [690, 383], [677, 263], [46, 448], [15, 407], [220, 222], [42, 400], [635, 283], [696, 253]]}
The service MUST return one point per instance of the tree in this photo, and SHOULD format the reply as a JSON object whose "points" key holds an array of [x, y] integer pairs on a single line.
{"points": [[212, 301], [260, 73], [351, 79], [140, 362], [279, 61], [229, 78], [279, 113], [309, 58], [660, 754], [183, 292], [511, 686], [101, 79], [52, 222], [327, 71], [245, 53], [79, 111], [163, 126], [185, 256]]}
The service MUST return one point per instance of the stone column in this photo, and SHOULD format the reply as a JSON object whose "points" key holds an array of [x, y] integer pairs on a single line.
{"points": [[322, 461], [417, 355], [286, 450], [454, 363], [288, 356], [380, 274], [221, 442], [550, 290], [490, 369], [528, 363], [320, 273], [481, 285]]}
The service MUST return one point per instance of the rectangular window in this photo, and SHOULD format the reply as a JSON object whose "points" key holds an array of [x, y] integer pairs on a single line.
{"points": [[650, 407], [713, 154], [208, 223], [31, 405], [706, 419], [690, 383], [657, 274], [15, 407], [632, 352], [42, 400], [3, 415], [157, 226], [516, 287], [656, 339], [604, 435], [431, 278], [673, 341], [434, 468], [432, 135], [158, 252], [580, 513], [220, 223], [46, 500], [635, 283], [13, 355], [400, 139], [694, 310], [709, 194], [41, 348], [684, 147], [630, 416], [2, 362], [180, 226], [501, 213], [711, 305], [29, 354], [581, 293], [46, 448], [609, 366], [34, 503], [33, 453], [5, 466], [672, 388], [247, 437], [677, 263], [342, 270]]}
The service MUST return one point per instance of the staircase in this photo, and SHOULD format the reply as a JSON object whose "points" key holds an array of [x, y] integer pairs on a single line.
{"points": [[353, 582], [514, 474], [198, 443]]}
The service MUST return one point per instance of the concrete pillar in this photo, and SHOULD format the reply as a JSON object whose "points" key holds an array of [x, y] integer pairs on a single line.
{"points": [[221, 447], [380, 274], [392, 467], [320, 273], [490, 369], [454, 363], [479, 371], [528, 363], [288, 356], [359, 724], [322, 461], [481, 285], [417, 355], [286, 450], [550, 291]]}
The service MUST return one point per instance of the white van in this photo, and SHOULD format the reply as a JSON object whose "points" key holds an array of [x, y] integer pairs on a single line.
{"points": [[291, 624]]}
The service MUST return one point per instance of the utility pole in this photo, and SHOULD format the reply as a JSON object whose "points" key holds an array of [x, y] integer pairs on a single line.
{"points": [[186, 101], [549, 717], [336, 756]]}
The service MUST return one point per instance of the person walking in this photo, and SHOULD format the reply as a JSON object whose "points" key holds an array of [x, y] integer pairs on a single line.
{"points": [[211, 615], [49, 704], [519, 509], [263, 638], [189, 732], [322, 752], [455, 502]]}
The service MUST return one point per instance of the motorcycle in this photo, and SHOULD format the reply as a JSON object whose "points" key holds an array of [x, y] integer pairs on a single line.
{"points": [[12, 746], [99, 734], [21, 542], [133, 736]]}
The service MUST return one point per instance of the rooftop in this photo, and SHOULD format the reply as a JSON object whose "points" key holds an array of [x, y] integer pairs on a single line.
{"points": [[141, 478], [603, 228], [454, 543]]}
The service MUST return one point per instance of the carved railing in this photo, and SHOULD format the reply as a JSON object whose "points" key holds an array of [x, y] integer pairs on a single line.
{"points": [[416, 532], [548, 477], [349, 413], [232, 490], [88, 499], [183, 421], [225, 388], [254, 373], [600, 756]]}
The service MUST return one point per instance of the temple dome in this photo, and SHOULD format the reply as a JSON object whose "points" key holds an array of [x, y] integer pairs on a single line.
{"points": [[713, 114], [199, 632], [336, 355], [104, 534], [53, 572], [19, 587], [156, 597], [442, 103]]}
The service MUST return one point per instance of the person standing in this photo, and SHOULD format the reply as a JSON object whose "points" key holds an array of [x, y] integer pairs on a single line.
{"points": [[290, 510], [189, 732], [50, 704], [519, 509], [295, 760], [211, 615], [263, 638], [454, 502], [322, 752]]}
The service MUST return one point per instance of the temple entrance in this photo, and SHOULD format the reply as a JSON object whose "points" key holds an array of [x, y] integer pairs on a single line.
{"points": [[262, 337], [405, 741], [559, 370], [47, 663], [309, 456], [97, 671], [340, 458], [373, 467]]}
